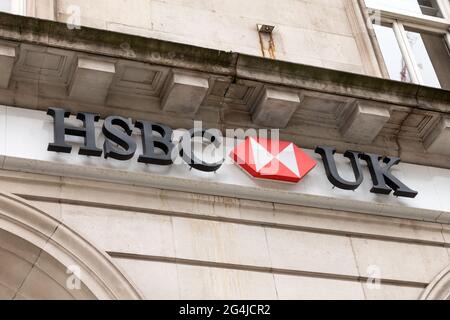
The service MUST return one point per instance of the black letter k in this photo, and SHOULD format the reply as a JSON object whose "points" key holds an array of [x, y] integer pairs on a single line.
{"points": [[383, 180]]}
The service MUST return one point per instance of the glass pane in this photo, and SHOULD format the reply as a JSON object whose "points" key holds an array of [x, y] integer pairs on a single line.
{"points": [[426, 7], [432, 57], [392, 54], [5, 5]]}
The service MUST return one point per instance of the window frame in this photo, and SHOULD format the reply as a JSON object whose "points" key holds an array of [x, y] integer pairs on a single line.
{"points": [[401, 19]]}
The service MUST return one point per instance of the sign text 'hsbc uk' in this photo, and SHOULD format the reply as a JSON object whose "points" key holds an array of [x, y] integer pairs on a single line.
{"points": [[261, 157]]}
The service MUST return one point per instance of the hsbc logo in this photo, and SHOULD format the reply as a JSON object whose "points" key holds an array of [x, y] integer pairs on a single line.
{"points": [[273, 160], [261, 158]]}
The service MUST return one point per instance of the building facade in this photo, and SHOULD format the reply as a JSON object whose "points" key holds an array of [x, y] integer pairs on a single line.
{"points": [[95, 96]]}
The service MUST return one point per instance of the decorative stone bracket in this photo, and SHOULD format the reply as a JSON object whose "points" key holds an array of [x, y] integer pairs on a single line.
{"points": [[364, 121], [91, 80], [8, 55], [438, 141]]}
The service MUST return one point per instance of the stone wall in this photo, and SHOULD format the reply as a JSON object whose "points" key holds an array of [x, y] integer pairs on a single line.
{"points": [[325, 33], [190, 246], [181, 245]]}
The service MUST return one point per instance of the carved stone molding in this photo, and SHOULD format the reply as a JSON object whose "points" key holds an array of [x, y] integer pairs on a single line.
{"points": [[439, 288], [48, 246]]}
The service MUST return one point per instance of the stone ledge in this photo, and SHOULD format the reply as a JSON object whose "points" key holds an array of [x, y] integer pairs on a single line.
{"points": [[104, 42]]}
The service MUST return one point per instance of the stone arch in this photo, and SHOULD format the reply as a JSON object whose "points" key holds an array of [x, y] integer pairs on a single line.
{"points": [[41, 258], [439, 288]]}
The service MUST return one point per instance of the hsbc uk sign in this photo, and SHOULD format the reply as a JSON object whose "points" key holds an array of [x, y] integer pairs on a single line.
{"points": [[267, 158]]}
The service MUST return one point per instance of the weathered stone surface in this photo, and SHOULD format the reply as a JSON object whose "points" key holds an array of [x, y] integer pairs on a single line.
{"points": [[184, 92], [275, 107], [7, 58], [364, 122], [91, 80], [438, 141]]}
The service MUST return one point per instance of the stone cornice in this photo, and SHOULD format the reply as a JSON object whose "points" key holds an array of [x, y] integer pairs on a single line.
{"points": [[408, 120], [160, 52], [342, 83]]}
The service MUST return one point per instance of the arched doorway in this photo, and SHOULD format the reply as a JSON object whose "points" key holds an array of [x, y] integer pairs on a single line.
{"points": [[41, 258], [439, 288]]}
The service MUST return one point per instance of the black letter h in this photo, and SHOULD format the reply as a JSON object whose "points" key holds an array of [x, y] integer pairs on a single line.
{"points": [[61, 130]]}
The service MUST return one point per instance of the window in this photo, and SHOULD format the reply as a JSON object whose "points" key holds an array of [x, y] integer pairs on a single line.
{"points": [[418, 7], [13, 6], [414, 39]]}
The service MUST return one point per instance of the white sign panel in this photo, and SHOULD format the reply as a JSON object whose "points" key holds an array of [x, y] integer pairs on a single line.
{"points": [[25, 135]]}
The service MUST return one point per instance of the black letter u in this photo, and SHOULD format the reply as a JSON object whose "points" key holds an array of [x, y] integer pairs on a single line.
{"points": [[327, 154]]}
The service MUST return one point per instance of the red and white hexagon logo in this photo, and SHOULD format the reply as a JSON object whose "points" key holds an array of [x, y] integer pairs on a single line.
{"points": [[273, 160]]}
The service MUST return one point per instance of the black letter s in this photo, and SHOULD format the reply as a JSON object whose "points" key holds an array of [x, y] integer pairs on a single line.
{"points": [[120, 137]]}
